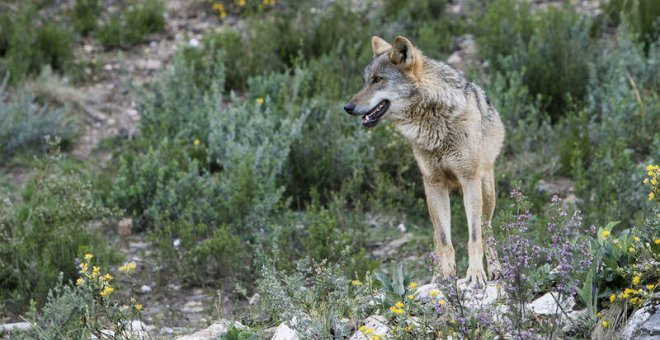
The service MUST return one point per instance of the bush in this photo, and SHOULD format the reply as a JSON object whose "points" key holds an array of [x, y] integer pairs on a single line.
{"points": [[24, 124], [85, 15], [641, 15], [130, 26], [42, 235], [29, 47], [553, 50]]}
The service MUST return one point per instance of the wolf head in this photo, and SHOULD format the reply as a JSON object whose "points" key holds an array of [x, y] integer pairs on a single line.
{"points": [[389, 81]]}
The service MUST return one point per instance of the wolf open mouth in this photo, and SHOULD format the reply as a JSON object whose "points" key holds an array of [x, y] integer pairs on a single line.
{"points": [[372, 117]]}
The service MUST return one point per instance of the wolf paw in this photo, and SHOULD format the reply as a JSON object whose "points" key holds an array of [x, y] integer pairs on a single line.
{"points": [[476, 275]]}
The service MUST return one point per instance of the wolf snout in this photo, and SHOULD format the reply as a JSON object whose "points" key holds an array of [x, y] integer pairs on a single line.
{"points": [[350, 107]]}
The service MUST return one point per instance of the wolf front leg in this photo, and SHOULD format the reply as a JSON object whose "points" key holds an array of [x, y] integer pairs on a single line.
{"points": [[472, 200], [437, 200], [488, 188]]}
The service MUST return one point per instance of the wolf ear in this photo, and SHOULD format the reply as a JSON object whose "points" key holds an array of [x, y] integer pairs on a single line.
{"points": [[378, 45], [404, 54]]}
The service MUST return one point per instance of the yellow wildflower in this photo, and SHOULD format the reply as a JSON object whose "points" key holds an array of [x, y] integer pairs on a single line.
{"points": [[127, 268], [362, 328], [107, 291], [598, 315], [138, 307], [605, 233], [368, 331], [636, 239], [657, 241], [433, 293], [612, 298], [88, 256], [240, 3], [410, 297], [95, 272], [356, 283], [631, 250], [649, 167], [604, 323], [412, 285], [650, 287], [375, 337], [651, 195], [221, 10], [83, 267], [107, 277], [635, 301], [269, 2], [196, 142], [635, 280], [259, 101], [399, 304], [442, 302], [80, 281]]}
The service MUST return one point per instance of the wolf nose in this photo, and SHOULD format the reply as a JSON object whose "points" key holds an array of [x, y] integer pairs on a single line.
{"points": [[349, 108]]}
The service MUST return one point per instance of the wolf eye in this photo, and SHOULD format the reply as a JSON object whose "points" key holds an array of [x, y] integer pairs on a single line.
{"points": [[376, 80]]}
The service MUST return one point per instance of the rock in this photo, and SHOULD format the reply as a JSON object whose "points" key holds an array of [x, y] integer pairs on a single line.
{"points": [[167, 331], [214, 331], [475, 296], [254, 299], [455, 60], [547, 304], [144, 289], [193, 43], [105, 334], [401, 227], [559, 187], [284, 332], [125, 226], [193, 307], [15, 327], [377, 323], [88, 48], [149, 64], [423, 293], [391, 248], [643, 324]]}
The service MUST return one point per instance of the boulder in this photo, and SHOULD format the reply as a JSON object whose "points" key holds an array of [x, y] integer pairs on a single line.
{"points": [[644, 324]]}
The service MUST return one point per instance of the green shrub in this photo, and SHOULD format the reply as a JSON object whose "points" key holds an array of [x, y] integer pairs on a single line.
{"points": [[130, 26], [641, 15], [24, 123], [54, 224], [29, 46], [552, 48], [85, 15]]}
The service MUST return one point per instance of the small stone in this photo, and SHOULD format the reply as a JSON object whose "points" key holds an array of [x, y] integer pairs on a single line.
{"points": [[166, 331], [377, 323], [145, 289], [193, 307], [107, 67], [284, 332], [254, 299], [194, 43], [17, 326], [125, 226], [88, 48], [215, 331]]}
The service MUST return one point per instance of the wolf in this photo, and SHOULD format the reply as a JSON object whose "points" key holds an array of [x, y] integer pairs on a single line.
{"points": [[455, 132]]}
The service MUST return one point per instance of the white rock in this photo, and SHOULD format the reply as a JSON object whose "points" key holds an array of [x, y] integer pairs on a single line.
{"points": [[17, 326], [643, 324], [401, 227], [193, 42], [193, 307], [167, 331], [284, 332], [214, 331], [376, 322], [423, 293], [391, 248], [475, 296], [254, 299], [144, 289], [547, 304]]}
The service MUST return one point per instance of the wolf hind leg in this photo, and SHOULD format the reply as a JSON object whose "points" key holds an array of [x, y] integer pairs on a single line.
{"points": [[489, 198]]}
